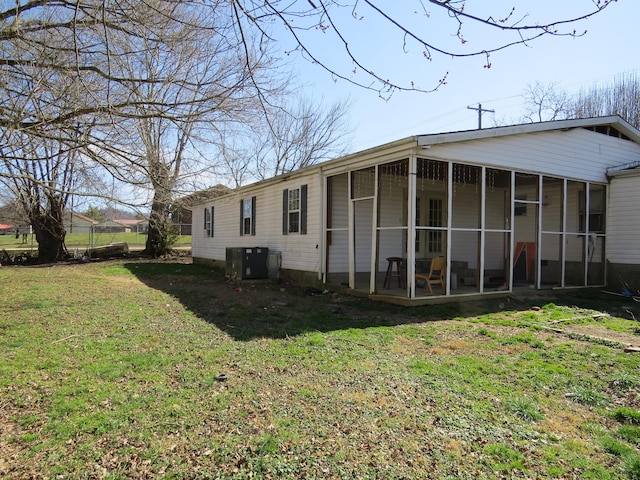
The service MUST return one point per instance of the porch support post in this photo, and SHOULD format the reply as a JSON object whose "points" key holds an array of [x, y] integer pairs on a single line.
{"points": [[449, 222], [512, 238], [352, 250], [411, 228], [587, 227], [483, 223], [322, 271], [374, 234], [538, 279], [563, 235]]}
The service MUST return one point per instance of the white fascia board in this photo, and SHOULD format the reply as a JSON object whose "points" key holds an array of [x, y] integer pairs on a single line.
{"points": [[614, 121]]}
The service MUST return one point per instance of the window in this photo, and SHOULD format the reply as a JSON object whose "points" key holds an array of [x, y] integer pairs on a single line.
{"points": [[248, 216], [294, 210], [208, 221]]}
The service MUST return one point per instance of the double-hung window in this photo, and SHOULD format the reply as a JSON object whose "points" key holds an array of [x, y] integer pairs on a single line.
{"points": [[248, 216], [208, 221], [294, 210]]}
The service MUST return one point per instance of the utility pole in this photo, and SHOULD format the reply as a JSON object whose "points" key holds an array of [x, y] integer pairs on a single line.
{"points": [[480, 111]]}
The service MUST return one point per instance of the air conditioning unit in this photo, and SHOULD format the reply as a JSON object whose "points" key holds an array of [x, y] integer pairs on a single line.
{"points": [[246, 263]]}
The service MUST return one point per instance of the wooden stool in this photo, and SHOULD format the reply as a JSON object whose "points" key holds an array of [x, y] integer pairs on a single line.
{"points": [[399, 272]]}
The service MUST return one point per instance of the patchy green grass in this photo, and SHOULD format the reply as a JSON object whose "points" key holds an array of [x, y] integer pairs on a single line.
{"points": [[108, 370]]}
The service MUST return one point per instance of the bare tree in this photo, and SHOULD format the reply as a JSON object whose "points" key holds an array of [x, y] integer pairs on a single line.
{"points": [[545, 102], [143, 73], [42, 181], [313, 24], [301, 136], [620, 97], [66, 96], [294, 137], [199, 84]]}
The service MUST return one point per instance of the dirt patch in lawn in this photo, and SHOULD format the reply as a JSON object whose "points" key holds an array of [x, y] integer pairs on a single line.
{"points": [[598, 332]]}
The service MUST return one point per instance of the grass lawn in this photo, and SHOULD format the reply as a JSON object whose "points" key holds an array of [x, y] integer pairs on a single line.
{"points": [[108, 371]]}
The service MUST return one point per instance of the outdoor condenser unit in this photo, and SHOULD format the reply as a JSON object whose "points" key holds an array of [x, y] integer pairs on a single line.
{"points": [[245, 263]]}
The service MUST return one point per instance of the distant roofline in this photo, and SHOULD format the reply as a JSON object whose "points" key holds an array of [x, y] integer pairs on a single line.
{"points": [[84, 217]]}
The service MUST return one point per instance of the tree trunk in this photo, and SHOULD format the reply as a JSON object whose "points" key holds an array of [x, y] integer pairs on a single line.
{"points": [[161, 234], [50, 233]]}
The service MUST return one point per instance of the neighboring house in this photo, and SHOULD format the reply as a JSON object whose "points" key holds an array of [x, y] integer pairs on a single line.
{"points": [[134, 225], [7, 228], [76, 223], [112, 226], [183, 216], [541, 205]]}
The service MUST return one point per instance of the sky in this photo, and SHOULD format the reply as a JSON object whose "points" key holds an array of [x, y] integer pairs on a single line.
{"points": [[608, 50]]}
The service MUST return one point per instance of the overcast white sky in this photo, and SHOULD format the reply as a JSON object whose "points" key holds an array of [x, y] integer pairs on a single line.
{"points": [[609, 48]]}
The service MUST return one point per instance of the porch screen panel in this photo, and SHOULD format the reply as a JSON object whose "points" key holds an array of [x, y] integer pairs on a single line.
{"points": [[338, 201], [575, 207], [431, 183], [362, 238], [552, 202], [596, 259], [596, 238], [391, 243], [431, 208], [498, 199], [597, 200], [422, 269], [392, 194], [363, 183], [551, 264], [465, 250], [574, 263], [337, 235], [496, 260], [527, 185], [338, 257], [467, 200]]}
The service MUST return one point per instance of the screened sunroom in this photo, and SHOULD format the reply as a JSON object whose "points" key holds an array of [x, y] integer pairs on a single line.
{"points": [[491, 229]]}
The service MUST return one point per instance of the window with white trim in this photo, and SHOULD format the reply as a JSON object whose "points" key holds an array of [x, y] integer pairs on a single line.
{"points": [[248, 216], [294, 210], [208, 221]]}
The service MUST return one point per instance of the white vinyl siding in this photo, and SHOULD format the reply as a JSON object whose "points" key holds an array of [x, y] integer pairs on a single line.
{"points": [[578, 153], [623, 220], [298, 252]]}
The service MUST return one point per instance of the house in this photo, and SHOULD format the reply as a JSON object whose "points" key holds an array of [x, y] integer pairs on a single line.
{"points": [[135, 225], [7, 228], [76, 223], [182, 215], [120, 226], [542, 205]]}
